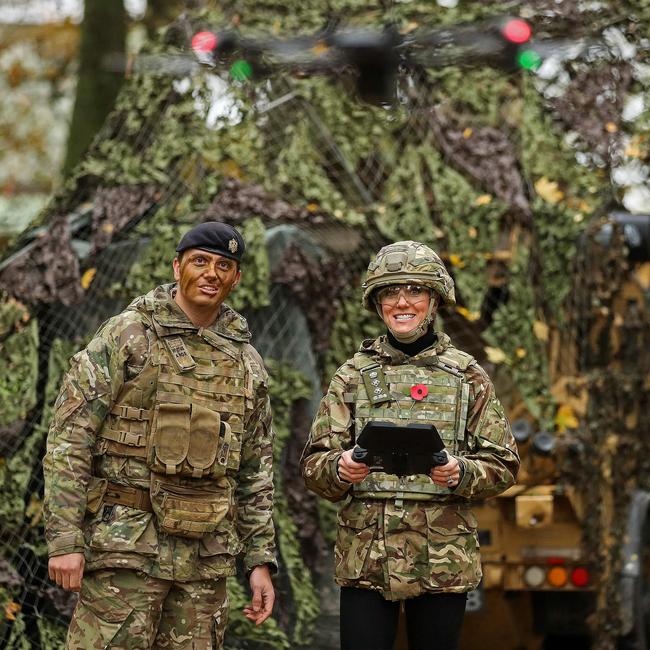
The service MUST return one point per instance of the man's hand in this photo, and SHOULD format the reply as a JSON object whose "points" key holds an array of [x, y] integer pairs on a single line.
{"points": [[447, 475], [263, 595], [67, 570], [351, 471]]}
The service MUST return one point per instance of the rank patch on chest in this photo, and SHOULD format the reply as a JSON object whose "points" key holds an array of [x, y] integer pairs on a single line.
{"points": [[375, 382], [180, 354]]}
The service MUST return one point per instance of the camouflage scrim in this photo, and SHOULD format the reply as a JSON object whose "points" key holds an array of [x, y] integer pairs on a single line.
{"points": [[397, 545], [407, 262], [101, 433]]}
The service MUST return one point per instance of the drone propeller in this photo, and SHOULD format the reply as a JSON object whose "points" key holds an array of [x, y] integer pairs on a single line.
{"points": [[374, 56]]}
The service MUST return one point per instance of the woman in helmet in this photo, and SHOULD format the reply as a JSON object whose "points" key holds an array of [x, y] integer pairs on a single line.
{"points": [[408, 538]]}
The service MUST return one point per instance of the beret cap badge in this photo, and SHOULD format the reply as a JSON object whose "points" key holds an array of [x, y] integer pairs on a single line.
{"points": [[214, 237]]}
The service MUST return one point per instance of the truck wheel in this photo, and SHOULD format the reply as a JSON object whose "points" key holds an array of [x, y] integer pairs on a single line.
{"points": [[639, 636], [637, 639]]}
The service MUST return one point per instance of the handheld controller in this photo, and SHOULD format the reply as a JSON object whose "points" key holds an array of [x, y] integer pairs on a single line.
{"points": [[359, 454]]}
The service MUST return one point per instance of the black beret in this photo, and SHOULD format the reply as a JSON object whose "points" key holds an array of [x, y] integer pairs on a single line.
{"points": [[214, 237]]}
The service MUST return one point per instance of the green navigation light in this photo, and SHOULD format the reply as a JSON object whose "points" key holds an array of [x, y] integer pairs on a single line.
{"points": [[241, 70], [529, 60]]}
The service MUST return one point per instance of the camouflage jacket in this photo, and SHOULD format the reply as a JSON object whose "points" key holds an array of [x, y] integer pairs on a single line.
{"points": [[104, 375], [404, 547]]}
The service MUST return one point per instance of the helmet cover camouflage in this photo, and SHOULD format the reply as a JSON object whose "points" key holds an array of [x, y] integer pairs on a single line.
{"points": [[407, 262]]}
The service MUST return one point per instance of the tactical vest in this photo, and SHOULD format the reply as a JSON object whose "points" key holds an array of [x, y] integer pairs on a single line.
{"points": [[183, 415], [384, 393]]}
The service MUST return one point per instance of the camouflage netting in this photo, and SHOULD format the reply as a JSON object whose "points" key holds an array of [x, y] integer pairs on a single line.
{"points": [[505, 174]]}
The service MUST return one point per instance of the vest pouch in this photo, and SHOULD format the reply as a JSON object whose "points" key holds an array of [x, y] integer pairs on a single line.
{"points": [[170, 438], [209, 443], [189, 440], [189, 511]]}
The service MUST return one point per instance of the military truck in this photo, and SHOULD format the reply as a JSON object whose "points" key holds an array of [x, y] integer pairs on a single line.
{"points": [[566, 551]]}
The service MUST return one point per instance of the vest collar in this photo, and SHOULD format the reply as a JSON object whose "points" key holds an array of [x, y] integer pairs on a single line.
{"points": [[381, 347], [169, 319]]}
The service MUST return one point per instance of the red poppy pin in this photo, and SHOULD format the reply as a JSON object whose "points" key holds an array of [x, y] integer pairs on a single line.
{"points": [[419, 392]]}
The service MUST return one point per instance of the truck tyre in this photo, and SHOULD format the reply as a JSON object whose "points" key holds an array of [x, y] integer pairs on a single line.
{"points": [[635, 580]]}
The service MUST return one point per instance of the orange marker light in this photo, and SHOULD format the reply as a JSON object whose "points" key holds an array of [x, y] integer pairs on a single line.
{"points": [[557, 576], [517, 31]]}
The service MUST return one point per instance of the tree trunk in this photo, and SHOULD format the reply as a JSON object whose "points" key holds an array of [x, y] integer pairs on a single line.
{"points": [[103, 32]]}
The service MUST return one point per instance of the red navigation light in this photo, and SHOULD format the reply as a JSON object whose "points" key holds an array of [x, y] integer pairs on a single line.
{"points": [[204, 42], [517, 31], [580, 577]]}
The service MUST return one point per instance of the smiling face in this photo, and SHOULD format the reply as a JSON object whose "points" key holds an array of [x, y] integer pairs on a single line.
{"points": [[204, 281], [403, 308]]}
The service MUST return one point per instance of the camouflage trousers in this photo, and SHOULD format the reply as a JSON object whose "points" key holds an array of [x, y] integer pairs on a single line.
{"points": [[129, 610]]}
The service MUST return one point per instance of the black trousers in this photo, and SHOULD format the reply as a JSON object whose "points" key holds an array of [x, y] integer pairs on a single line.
{"points": [[369, 622]]}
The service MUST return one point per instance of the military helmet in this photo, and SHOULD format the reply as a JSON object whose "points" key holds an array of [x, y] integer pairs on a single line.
{"points": [[407, 262]]}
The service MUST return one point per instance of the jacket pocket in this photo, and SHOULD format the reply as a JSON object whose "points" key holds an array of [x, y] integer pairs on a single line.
{"points": [[453, 549], [223, 541], [120, 529], [356, 531], [103, 619]]}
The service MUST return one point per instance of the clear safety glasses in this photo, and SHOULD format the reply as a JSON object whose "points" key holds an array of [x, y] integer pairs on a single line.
{"points": [[412, 293]]}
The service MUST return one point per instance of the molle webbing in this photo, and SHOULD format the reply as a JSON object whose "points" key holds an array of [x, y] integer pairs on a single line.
{"points": [[126, 433], [444, 405], [217, 385], [387, 486], [212, 378]]}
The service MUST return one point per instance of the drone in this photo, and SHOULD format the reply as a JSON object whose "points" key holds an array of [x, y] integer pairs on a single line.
{"points": [[373, 57]]}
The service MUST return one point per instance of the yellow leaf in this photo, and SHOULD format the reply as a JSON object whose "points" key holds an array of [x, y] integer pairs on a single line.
{"points": [[541, 330], [88, 277], [467, 133], [34, 510], [472, 232], [456, 261], [642, 275], [320, 48], [467, 314], [312, 207], [633, 150], [495, 355], [108, 227], [548, 190], [571, 391], [565, 418], [410, 27], [611, 127], [520, 352], [11, 609], [484, 199], [232, 169]]}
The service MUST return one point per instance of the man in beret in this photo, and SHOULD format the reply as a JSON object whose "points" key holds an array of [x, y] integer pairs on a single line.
{"points": [[158, 471]]}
